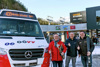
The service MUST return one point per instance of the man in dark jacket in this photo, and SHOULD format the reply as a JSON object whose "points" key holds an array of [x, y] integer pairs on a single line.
{"points": [[72, 46], [83, 49]]}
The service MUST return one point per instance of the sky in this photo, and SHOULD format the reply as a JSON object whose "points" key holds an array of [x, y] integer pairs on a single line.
{"points": [[57, 8]]}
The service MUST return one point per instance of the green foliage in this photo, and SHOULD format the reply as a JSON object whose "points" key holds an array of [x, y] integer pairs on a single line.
{"points": [[12, 4], [44, 22]]}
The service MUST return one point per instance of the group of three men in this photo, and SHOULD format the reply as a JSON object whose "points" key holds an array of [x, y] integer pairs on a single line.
{"points": [[73, 47]]}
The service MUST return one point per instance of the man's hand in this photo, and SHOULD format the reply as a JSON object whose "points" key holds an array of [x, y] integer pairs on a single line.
{"points": [[62, 53], [78, 48], [79, 55], [88, 53], [69, 44], [50, 52]]}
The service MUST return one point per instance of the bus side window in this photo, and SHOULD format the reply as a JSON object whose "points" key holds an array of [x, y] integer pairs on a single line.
{"points": [[37, 29]]}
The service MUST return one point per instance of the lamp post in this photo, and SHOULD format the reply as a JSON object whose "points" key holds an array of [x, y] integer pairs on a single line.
{"points": [[88, 48]]}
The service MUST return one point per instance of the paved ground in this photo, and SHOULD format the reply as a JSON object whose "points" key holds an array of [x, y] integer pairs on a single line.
{"points": [[96, 59]]}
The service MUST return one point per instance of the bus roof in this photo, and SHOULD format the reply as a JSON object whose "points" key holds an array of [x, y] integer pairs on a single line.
{"points": [[17, 14]]}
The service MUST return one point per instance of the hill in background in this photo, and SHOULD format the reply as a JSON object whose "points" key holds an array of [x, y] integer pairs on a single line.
{"points": [[12, 4]]}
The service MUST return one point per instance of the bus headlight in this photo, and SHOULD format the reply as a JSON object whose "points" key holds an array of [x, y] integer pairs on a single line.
{"points": [[2, 51]]}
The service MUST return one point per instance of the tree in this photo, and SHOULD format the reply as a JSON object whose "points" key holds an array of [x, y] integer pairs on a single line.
{"points": [[12, 4]]}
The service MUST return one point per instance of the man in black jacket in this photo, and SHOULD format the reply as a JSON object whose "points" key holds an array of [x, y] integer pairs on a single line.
{"points": [[83, 49], [72, 46]]}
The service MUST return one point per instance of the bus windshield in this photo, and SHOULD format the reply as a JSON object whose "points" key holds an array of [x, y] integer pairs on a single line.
{"points": [[13, 27]]}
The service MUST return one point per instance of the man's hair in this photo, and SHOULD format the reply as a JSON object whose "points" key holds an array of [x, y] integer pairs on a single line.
{"points": [[71, 32], [83, 32], [55, 34]]}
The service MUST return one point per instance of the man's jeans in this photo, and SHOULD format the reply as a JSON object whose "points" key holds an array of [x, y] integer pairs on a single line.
{"points": [[68, 58], [57, 63], [84, 60]]}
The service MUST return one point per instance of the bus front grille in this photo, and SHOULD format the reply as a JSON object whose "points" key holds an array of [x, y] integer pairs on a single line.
{"points": [[25, 54]]}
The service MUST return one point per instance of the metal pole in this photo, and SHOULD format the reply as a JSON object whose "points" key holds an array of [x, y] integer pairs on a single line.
{"points": [[88, 48]]}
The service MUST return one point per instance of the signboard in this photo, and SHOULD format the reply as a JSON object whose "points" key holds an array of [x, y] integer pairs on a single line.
{"points": [[58, 28], [18, 14], [65, 27], [72, 27], [77, 17], [93, 17]]}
